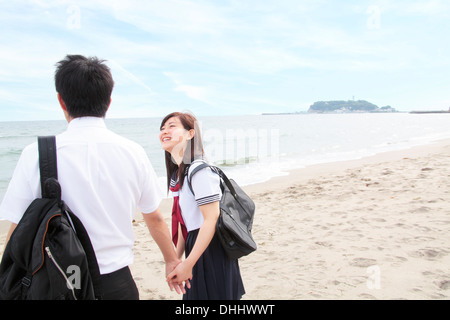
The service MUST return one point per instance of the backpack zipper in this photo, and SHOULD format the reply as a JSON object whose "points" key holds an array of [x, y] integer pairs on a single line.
{"points": [[69, 285]]}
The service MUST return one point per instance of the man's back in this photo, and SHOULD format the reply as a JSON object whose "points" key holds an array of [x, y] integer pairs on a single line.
{"points": [[104, 179]]}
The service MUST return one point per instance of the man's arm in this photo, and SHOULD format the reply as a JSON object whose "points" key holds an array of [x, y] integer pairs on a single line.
{"points": [[161, 234]]}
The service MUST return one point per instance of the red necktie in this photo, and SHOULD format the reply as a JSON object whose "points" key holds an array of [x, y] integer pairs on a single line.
{"points": [[177, 218]]}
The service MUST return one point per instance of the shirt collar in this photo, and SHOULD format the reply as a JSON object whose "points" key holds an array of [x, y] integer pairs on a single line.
{"points": [[87, 122]]}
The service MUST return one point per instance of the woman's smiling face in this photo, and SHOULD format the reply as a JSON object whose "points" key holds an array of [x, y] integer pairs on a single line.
{"points": [[173, 136]]}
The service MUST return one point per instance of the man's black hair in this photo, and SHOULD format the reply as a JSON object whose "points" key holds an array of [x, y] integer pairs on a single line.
{"points": [[85, 85]]}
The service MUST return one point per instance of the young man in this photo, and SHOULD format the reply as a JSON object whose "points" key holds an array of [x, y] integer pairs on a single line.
{"points": [[104, 177]]}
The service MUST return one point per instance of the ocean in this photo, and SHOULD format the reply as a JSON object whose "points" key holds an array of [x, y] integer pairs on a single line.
{"points": [[255, 148]]}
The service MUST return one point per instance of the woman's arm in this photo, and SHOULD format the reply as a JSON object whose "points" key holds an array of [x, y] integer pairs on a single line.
{"points": [[184, 270]]}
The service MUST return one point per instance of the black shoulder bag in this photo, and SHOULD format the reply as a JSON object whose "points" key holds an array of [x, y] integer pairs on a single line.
{"points": [[237, 211], [49, 255]]}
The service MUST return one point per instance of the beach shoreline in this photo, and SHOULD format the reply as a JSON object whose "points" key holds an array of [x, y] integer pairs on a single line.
{"points": [[372, 228], [315, 170]]}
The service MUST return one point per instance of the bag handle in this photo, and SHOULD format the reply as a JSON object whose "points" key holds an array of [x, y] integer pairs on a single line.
{"points": [[50, 187], [221, 174]]}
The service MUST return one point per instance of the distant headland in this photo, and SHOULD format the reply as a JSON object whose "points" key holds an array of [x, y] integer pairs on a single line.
{"points": [[350, 106]]}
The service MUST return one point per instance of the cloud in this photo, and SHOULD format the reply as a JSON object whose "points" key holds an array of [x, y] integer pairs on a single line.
{"points": [[195, 92], [235, 56], [428, 7], [175, 17], [128, 78]]}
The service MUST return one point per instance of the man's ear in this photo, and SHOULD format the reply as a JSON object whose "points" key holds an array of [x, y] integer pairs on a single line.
{"points": [[64, 108], [61, 102]]}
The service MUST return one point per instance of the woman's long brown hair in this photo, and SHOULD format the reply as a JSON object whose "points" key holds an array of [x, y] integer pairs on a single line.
{"points": [[194, 149]]}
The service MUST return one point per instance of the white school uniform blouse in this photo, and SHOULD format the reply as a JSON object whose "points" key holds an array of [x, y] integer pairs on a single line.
{"points": [[104, 179], [206, 186]]}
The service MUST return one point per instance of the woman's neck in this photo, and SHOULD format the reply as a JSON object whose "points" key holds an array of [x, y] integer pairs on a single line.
{"points": [[177, 158]]}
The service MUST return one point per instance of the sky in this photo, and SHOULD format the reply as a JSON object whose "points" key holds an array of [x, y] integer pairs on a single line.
{"points": [[228, 57]]}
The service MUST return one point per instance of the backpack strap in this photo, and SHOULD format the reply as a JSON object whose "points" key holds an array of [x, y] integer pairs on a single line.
{"points": [[48, 167], [227, 181], [197, 169], [217, 170]]}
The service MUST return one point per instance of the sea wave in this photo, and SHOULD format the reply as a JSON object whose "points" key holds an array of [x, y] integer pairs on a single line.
{"points": [[253, 149]]}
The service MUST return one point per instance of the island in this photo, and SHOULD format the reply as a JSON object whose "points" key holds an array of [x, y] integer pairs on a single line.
{"points": [[350, 106]]}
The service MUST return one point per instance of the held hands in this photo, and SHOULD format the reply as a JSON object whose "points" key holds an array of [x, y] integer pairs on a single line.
{"points": [[181, 273]]}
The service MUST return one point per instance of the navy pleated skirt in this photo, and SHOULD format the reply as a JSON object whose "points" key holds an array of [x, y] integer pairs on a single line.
{"points": [[214, 276]]}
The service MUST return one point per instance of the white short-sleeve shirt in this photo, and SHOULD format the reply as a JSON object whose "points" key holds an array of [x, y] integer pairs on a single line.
{"points": [[104, 178], [206, 186]]}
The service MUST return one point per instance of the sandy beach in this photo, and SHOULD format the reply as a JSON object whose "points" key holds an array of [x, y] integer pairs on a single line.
{"points": [[375, 228]]}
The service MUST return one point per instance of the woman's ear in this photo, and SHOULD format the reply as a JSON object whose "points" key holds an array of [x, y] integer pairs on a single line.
{"points": [[191, 134]]}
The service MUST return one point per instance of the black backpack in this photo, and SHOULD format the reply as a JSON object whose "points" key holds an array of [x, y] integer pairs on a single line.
{"points": [[49, 255], [237, 211]]}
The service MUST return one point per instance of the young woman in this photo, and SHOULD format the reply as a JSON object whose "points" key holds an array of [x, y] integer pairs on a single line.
{"points": [[212, 275]]}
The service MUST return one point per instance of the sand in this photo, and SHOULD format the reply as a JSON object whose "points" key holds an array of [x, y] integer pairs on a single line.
{"points": [[375, 228]]}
